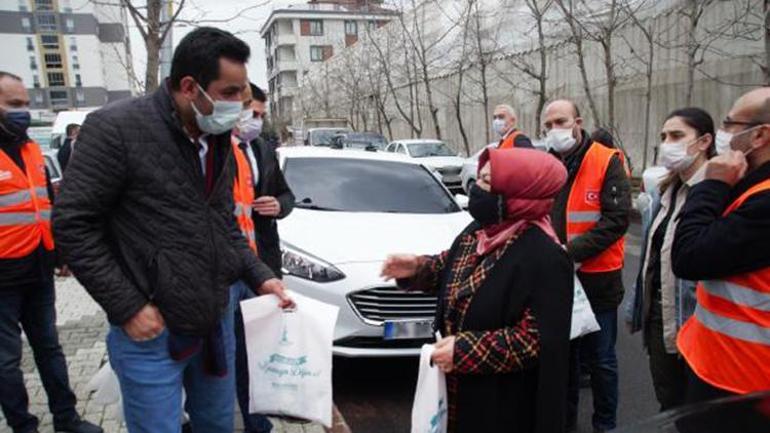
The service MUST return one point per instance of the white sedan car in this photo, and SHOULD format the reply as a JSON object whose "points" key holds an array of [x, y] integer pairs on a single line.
{"points": [[436, 155], [353, 209]]}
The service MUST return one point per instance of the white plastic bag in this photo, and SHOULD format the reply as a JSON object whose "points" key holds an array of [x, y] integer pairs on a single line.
{"points": [[430, 408], [290, 357], [583, 318]]}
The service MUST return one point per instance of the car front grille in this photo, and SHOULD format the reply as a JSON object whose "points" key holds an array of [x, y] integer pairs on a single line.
{"points": [[389, 303], [450, 171]]}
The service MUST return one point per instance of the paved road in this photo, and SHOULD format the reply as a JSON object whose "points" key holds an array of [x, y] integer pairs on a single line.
{"points": [[375, 396]]}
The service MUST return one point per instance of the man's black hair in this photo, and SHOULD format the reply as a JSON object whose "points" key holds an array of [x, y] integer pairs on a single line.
{"points": [[199, 52], [257, 94], [71, 128]]}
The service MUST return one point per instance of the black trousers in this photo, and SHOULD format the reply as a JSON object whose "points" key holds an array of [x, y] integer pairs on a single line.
{"points": [[669, 370], [699, 391]]}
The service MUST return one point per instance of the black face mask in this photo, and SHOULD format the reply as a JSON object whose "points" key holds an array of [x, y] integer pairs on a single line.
{"points": [[486, 208]]}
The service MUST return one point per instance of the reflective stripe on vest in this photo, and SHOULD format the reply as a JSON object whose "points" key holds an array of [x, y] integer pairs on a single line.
{"points": [[243, 196], [727, 341], [20, 197], [584, 207], [509, 142], [25, 208]]}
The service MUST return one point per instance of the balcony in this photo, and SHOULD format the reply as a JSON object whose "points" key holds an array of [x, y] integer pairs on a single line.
{"points": [[285, 39], [283, 65]]}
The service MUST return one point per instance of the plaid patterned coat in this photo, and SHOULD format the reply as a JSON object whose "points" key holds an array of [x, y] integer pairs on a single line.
{"points": [[492, 305]]}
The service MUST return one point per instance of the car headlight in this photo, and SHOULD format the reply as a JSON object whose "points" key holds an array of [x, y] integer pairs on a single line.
{"points": [[304, 265]]}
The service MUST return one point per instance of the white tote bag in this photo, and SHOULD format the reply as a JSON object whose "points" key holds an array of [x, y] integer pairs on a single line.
{"points": [[290, 357], [583, 318], [429, 411]]}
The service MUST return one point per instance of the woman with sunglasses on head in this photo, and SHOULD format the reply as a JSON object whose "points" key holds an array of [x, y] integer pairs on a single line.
{"points": [[662, 302]]}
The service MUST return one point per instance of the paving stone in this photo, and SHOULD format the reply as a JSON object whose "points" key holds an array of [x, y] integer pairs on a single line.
{"points": [[82, 330]]}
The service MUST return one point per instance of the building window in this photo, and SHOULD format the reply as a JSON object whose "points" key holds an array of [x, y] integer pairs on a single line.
{"points": [[36, 81], [78, 81], [80, 95], [70, 23], [30, 44], [311, 28], [316, 54], [53, 61], [26, 24], [44, 5], [23, 6], [47, 23], [75, 62], [39, 96], [73, 44], [50, 42], [32, 63], [351, 28], [56, 79], [372, 26], [66, 6], [59, 97]]}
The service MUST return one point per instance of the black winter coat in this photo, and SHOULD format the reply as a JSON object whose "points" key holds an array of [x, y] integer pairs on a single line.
{"points": [[271, 183], [135, 224], [534, 272]]}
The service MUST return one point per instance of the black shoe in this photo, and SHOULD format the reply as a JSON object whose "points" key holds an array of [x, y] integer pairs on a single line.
{"points": [[78, 426]]}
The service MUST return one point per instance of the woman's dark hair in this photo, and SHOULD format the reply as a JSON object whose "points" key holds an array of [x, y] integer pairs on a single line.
{"points": [[702, 122], [199, 52], [699, 120], [257, 94], [601, 135]]}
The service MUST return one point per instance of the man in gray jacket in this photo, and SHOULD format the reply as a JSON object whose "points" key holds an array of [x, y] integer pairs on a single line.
{"points": [[145, 221]]}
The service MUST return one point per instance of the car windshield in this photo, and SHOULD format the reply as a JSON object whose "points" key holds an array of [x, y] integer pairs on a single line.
{"points": [[429, 148], [365, 140], [357, 185], [324, 136]]}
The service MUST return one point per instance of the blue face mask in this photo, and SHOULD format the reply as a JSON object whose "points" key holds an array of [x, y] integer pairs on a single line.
{"points": [[18, 120], [222, 119]]}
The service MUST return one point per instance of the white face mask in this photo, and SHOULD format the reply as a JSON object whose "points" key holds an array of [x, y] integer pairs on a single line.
{"points": [[498, 125], [222, 119], [249, 127], [674, 156], [560, 140], [724, 139]]}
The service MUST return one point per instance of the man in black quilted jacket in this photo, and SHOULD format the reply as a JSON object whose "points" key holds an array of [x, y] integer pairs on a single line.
{"points": [[145, 221]]}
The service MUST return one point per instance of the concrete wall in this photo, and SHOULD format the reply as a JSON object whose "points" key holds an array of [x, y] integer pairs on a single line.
{"points": [[730, 68]]}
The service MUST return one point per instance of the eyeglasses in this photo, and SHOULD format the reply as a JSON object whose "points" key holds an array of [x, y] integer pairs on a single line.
{"points": [[729, 122]]}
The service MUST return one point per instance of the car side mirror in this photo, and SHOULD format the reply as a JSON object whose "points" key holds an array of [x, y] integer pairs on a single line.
{"points": [[462, 200]]}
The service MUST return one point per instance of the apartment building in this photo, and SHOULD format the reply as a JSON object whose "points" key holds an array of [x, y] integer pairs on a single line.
{"points": [[302, 35], [72, 54]]}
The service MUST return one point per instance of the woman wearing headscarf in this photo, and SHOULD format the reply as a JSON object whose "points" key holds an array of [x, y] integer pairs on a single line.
{"points": [[505, 291]]}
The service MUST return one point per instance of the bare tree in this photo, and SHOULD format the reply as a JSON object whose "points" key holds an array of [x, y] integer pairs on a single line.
{"points": [[153, 32], [578, 40], [648, 59], [387, 63]]}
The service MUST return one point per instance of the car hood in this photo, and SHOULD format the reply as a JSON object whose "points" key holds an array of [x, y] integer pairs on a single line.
{"points": [[442, 161], [348, 237]]}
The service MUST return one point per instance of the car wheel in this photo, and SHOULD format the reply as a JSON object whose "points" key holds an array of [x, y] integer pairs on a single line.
{"points": [[469, 185]]}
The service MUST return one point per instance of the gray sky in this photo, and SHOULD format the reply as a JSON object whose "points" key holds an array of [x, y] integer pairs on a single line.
{"points": [[246, 26]]}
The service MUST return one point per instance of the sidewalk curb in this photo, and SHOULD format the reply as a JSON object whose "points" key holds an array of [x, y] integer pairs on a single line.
{"points": [[339, 425]]}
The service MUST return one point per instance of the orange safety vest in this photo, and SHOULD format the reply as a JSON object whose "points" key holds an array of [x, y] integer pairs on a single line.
{"points": [[243, 196], [509, 142], [727, 341], [584, 207], [25, 208]]}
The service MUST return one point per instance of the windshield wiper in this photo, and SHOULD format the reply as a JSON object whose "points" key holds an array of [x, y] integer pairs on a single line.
{"points": [[307, 203]]}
